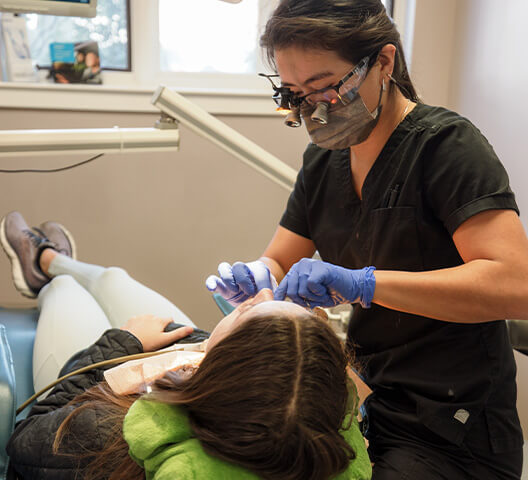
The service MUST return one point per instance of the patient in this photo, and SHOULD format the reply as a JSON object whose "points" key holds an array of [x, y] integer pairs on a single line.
{"points": [[271, 398]]}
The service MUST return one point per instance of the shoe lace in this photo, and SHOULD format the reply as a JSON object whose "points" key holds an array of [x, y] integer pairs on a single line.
{"points": [[36, 240], [53, 245]]}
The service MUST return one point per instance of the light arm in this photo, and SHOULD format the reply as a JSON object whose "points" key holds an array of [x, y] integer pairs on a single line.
{"points": [[15, 143], [203, 123], [176, 109]]}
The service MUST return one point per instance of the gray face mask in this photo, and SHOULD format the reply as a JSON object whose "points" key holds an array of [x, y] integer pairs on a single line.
{"points": [[347, 125]]}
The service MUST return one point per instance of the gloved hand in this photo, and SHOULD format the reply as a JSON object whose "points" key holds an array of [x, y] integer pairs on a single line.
{"points": [[242, 280], [312, 283]]}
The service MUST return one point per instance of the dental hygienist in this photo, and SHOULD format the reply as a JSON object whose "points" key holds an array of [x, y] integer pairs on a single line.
{"points": [[412, 213]]}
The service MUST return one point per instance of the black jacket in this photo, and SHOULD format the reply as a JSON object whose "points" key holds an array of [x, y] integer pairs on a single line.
{"points": [[30, 446]]}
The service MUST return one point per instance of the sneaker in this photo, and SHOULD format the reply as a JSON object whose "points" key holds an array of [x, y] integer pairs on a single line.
{"points": [[23, 247], [59, 236]]}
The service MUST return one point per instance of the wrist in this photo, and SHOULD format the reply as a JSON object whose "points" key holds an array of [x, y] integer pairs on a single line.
{"points": [[123, 342], [274, 267], [367, 286]]}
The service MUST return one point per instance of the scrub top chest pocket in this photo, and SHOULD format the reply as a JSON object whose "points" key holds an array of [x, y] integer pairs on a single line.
{"points": [[394, 241]]}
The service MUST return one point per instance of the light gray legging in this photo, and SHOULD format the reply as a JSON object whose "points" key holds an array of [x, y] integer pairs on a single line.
{"points": [[79, 304]]}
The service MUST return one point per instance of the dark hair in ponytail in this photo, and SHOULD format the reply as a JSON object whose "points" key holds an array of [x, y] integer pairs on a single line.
{"points": [[352, 28], [271, 396]]}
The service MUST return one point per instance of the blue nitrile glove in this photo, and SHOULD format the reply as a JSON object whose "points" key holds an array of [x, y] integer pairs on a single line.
{"points": [[242, 280], [312, 283]]}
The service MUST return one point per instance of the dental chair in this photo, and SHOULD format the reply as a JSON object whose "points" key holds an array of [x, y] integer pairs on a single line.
{"points": [[518, 331], [17, 335]]}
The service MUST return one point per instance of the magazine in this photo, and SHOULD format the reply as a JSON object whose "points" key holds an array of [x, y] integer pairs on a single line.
{"points": [[75, 62]]}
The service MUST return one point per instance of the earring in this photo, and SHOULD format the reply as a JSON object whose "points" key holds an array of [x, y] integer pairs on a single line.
{"points": [[383, 87]]}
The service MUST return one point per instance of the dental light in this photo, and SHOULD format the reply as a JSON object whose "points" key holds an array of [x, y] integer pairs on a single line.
{"points": [[201, 122]]}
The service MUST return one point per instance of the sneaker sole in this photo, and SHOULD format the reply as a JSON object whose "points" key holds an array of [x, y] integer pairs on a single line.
{"points": [[69, 236], [16, 268]]}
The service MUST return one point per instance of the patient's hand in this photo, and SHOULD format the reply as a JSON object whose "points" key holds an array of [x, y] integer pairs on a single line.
{"points": [[149, 330]]}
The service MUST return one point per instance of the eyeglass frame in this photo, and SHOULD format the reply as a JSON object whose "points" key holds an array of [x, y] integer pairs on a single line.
{"points": [[284, 95]]}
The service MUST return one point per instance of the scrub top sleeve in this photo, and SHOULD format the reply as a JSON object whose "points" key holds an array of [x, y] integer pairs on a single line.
{"points": [[295, 217], [463, 176]]}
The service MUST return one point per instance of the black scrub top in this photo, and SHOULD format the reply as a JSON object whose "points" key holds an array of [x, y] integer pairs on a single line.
{"points": [[436, 171]]}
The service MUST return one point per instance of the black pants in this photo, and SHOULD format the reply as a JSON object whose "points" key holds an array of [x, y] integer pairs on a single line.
{"points": [[417, 453], [405, 463]]}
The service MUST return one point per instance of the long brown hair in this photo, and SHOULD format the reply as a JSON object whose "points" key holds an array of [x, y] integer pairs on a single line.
{"points": [[354, 29], [271, 397]]}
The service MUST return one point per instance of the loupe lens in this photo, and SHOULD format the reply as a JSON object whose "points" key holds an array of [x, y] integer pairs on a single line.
{"points": [[320, 114], [294, 118]]}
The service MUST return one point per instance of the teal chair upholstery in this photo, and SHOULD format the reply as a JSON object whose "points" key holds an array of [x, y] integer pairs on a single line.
{"points": [[7, 398], [17, 335]]}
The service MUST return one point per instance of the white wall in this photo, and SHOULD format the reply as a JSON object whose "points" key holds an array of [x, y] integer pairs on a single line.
{"points": [[490, 77], [432, 50]]}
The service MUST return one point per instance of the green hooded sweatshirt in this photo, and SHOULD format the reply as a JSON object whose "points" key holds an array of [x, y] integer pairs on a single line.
{"points": [[161, 441]]}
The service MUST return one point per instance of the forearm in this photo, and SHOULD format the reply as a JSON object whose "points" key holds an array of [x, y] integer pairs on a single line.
{"points": [[478, 291], [285, 249], [275, 268]]}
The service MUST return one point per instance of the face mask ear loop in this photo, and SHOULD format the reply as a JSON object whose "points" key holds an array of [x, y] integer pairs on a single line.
{"points": [[403, 89], [377, 110]]}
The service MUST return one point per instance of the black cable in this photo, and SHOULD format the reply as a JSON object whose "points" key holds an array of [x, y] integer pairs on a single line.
{"points": [[86, 369], [53, 170]]}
